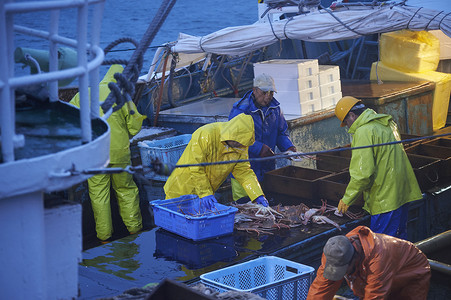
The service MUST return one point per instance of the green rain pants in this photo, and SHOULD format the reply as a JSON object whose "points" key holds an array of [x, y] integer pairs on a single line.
{"points": [[127, 199]]}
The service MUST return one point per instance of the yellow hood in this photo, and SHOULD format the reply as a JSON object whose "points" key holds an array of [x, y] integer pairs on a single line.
{"points": [[239, 129]]}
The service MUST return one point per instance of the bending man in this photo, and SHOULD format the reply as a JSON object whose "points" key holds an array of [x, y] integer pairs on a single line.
{"points": [[220, 141], [375, 266]]}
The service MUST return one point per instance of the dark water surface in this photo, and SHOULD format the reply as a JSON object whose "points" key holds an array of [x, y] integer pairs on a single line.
{"points": [[131, 19]]}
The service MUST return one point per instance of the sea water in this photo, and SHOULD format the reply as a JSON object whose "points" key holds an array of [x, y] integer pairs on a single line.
{"points": [[131, 19]]}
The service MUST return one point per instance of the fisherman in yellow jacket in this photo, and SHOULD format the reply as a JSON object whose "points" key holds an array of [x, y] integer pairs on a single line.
{"points": [[214, 142], [383, 174], [123, 124]]}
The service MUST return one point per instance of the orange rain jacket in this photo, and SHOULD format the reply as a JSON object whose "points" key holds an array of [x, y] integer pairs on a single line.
{"points": [[391, 268]]}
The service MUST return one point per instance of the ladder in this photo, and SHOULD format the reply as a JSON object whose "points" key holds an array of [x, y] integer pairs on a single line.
{"points": [[365, 55]]}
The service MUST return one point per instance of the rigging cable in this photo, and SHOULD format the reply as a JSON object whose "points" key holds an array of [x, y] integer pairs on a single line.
{"points": [[294, 154], [131, 71]]}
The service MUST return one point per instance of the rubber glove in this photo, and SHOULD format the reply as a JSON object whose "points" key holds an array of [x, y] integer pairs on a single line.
{"points": [[292, 150], [262, 201], [208, 202], [266, 151], [342, 207]]}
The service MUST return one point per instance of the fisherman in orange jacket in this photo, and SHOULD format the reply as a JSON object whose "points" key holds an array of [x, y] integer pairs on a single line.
{"points": [[375, 266]]}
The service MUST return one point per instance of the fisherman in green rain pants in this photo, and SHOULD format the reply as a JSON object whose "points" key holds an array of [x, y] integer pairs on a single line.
{"points": [[123, 124]]}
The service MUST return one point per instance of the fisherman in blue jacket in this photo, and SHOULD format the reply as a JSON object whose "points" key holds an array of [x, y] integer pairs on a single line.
{"points": [[269, 124]]}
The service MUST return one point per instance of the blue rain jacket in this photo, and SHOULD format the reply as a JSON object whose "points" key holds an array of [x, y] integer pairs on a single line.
{"points": [[271, 129]]}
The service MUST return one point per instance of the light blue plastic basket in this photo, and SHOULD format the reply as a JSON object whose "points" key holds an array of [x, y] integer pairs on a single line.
{"points": [[185, 216], [168, 151], [269, 277]]}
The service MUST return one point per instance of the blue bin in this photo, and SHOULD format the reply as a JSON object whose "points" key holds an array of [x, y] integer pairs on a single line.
{"points": [[269, 277], [186, 216], [194, 255]]}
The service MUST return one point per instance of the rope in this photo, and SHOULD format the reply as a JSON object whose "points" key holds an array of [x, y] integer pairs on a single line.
{"points": [[307, 153], [113, 44], [440, 23], [272, 28], [427, 25], [131, 71], [408, 23], [339, 21], [141, 169]]}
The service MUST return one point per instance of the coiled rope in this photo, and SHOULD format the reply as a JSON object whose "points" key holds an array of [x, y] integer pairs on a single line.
{"points": [[123, 90]]}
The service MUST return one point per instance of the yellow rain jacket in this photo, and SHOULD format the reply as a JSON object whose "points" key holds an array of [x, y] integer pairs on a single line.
{"points": [[122, 126], [122, 123], [383, 174], [208, 144], [389, 268]]}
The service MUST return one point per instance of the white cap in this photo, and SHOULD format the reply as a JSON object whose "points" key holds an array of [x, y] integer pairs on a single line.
{"points": [[265, 83]]}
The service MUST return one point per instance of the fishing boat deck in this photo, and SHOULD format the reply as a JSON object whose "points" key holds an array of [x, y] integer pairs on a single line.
{"points": [[151, 256], [188, 117]]}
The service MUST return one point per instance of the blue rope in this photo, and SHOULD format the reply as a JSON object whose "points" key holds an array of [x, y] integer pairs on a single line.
{"points": [[307, 153]]}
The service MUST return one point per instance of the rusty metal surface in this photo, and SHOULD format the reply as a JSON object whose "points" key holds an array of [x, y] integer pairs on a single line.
{"points": [[431, 162], [410, 103], [293, 181], [332, 163]]}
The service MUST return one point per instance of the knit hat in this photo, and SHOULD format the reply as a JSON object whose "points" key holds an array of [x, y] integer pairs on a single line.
{"points": [[265, 83], [338, 251]]}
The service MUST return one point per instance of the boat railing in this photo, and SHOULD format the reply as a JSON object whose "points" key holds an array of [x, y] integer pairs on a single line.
{"points": [[89, 58]]}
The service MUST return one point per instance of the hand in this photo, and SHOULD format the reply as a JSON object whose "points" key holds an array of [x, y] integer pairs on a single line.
{"points": [[262, 201], [292, 150], [208, 202], [342, 207], [266, 151]]}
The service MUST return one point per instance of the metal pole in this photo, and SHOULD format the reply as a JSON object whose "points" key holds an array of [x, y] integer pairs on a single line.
{"points": [[94, 74], [53, 54], [85, 118], [6, 93]]}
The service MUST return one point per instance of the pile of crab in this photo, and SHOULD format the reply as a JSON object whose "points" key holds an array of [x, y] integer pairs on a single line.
{"points": [[256, 218]]}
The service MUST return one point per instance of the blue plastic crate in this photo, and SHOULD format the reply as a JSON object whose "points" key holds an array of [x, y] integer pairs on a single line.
{"points": [[186, 216], [194, 254], [269, 277], [167, 150]]}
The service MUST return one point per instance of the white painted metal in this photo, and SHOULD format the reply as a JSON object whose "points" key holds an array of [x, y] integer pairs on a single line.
{"points": [[40, 249], [63, 247], [22, 254]]}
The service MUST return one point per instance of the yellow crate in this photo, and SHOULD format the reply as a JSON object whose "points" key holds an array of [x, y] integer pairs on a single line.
{"points": [[410, 51], [442, 82]]}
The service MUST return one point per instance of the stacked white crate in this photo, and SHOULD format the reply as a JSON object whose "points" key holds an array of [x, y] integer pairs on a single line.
{"points": [[296, 81], [329, 85]]}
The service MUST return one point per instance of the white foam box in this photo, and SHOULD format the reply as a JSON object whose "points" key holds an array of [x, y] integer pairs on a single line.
{"points": [[328, 74], [287, 68], [309, 94], [308, 107], [330, 88], [289, 102], [296, 84], [330, 100], [445, 43]]}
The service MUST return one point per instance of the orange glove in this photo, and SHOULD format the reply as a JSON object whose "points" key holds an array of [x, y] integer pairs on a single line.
{"points": [[342, 207]]}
